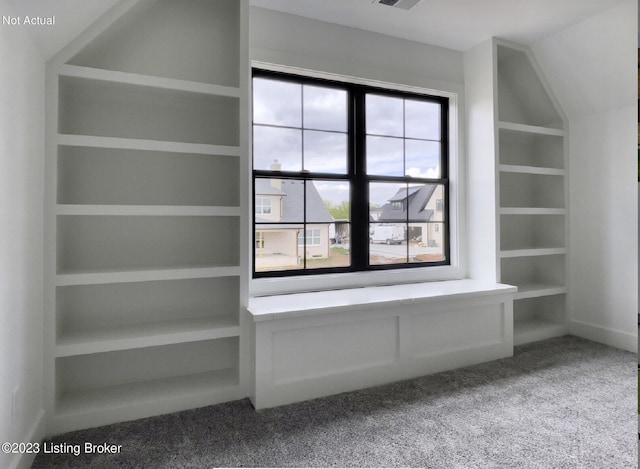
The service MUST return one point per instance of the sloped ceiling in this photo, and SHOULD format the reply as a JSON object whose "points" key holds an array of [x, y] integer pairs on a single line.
{"points": [[458, 24], [591, 65]]}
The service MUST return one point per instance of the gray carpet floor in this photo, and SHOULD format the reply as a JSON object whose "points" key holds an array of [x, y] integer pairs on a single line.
{"points": [[560, 403]]}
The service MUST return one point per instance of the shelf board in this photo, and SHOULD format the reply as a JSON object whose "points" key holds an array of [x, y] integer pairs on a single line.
{"points": [[534, 290], [151, 81], [511, 168], [146, 210], [532, 252], [133, 395], [126, 276], [109, 339], [93, 141], [530, 129], [536, 329], [532, 211]]}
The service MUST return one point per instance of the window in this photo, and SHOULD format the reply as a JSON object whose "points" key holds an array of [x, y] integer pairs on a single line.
{"points": [[263, 206], [359, 175], [312, 238]]}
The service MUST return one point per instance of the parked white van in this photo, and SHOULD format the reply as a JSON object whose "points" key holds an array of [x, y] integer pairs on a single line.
{"points": [[387, 233]]}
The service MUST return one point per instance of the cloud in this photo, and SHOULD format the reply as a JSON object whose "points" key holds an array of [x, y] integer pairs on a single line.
{"points": [[325, 108], [333, 191], [277, 102], [430, 173]]}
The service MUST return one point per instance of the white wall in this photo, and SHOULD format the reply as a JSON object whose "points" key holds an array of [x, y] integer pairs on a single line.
{"points": [[591, 67], [300, 42], [21, 245]]}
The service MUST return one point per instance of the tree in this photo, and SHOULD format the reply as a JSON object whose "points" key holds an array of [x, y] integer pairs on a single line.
{"points": [[339, 211]]}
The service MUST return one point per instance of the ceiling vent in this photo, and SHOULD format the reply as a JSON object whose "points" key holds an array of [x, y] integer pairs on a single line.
{"points": [[402, 4]]}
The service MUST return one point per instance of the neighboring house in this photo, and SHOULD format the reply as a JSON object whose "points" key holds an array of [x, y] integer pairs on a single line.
{"points": [[422, 204], [279, 210], [374, 213]]}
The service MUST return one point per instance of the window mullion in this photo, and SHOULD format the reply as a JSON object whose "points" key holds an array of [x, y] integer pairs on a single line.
{"points": [[360, 190]]}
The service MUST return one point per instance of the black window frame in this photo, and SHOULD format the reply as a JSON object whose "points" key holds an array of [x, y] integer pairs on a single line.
{"points": [[357, 177]]}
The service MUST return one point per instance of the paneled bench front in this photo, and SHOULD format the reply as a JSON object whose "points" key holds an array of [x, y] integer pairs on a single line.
{"points": [[316, 344]]}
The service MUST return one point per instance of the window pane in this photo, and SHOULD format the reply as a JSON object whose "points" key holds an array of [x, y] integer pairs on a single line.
{"points": [[293, 201], [415, 203], [387, 243], [384, 115], [325, 108], [328, 201], [322, 252], [275, 148], [328, 211], [325, 152], [277, 103], [436, 204], [286, 199], [386, 202], [422, 159], [425, 203], [422, 120], [387, 227], [426, 242], [276, 248], [385, 156]]}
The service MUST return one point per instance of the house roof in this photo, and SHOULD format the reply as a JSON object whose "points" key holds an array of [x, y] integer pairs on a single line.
{"points": [[264, 187], [294, 200], [404, 193], [415, 198]]}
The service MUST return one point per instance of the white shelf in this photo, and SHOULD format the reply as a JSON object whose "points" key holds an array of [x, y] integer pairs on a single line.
{"points": [[532, 211], [146, 210], [510, 168], [128, 243], [535, 290], [151, 145], [127, 337], [97, 278], [532, 190], [147, 80], [132, 395], [116, 110], [536, 329], [531, 129], [532, 252]]}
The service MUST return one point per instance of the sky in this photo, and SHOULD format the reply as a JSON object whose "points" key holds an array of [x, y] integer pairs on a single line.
{"points": [[304, 127]]}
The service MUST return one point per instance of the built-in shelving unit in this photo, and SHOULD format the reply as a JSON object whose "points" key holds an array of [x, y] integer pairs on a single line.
{"points": [[532, 195], [146, 224]]}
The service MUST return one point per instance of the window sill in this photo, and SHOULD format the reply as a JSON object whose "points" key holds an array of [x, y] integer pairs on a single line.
{"points": [[305, 304], [352, 280]]}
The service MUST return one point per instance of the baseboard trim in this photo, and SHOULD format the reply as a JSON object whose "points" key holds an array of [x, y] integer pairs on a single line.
{"points": [[604, 335], [35, 434]]}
